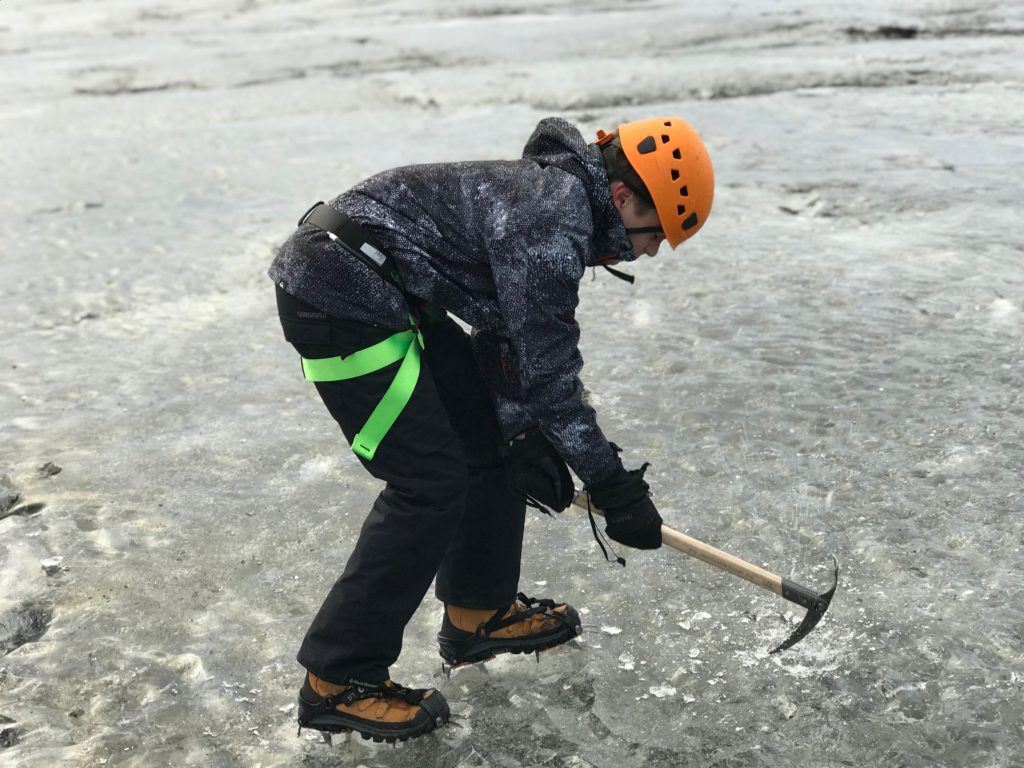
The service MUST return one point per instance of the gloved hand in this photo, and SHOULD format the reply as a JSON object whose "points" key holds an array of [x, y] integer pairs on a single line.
{"points": [[630, 516], [537, 471]]}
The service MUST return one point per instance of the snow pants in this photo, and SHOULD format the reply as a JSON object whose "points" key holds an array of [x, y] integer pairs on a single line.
{"points": [[446, 509]]}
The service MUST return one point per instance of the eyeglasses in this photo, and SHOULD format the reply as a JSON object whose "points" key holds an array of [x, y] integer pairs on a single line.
{"points": [[644, 231]]}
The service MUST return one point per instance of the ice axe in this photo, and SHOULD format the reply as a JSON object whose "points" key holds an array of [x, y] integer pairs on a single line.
{"points": [[815, 604]]}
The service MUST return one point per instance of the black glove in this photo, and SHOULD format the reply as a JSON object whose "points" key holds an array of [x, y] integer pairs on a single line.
{"points": [[630, 516], [537, 471]]}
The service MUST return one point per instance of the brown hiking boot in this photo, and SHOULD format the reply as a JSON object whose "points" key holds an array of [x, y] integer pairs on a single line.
{"points": [[381, 711], [528, 625]]}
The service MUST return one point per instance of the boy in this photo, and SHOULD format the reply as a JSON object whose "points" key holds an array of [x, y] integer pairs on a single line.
{"points": [[466, 430]]}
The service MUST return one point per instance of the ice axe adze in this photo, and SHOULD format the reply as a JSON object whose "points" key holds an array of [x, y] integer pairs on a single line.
{"points": [[815, 604]]}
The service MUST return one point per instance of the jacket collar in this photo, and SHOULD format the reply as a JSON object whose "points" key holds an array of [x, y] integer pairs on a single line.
{"points": [[558, 142], [610, 237]]}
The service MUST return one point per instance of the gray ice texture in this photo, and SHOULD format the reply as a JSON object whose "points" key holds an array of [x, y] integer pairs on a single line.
{"points": [[834, 364]]}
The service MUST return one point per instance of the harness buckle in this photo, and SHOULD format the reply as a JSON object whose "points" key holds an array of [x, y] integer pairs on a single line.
{"points": [[312, 208]]}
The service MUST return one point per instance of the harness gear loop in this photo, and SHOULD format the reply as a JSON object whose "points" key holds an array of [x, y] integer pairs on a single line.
{"points": [[404, 345]]}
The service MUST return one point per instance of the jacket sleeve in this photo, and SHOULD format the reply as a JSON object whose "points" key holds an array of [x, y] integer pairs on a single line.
{"points": [[537, 268]]}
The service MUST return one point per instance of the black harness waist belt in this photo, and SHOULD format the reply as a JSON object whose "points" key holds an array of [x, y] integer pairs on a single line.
{"points": [[342, 229]]}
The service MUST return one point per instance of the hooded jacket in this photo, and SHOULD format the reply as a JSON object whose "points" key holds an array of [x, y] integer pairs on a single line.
{"points": [[502, 245]]}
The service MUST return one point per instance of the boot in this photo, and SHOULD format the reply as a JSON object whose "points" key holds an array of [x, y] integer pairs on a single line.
{"points": [[381, 711], [528, 625]]}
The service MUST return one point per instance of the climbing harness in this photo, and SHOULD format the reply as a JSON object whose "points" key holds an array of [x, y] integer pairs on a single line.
{"points": [[348, 233], [404, 345]]}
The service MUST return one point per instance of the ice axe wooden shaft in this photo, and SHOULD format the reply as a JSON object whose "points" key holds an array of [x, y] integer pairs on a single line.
{"points": [[815, 604]]}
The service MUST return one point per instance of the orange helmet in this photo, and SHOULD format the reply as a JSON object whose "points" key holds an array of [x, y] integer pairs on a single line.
{"points": [[674, 165]]}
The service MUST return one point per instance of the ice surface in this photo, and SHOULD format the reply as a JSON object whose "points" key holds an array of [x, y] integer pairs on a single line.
{"points": [[834, 365]]}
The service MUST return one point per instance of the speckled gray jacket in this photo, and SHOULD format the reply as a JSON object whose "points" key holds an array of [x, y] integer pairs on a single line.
{"points": [[503, 246]]}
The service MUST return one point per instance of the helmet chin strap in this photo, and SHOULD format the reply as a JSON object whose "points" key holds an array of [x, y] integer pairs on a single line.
{"points": [[620, 274], [631, 231]]}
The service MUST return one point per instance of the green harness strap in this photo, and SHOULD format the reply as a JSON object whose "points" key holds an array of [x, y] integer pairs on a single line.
{"points": [[404, 346]]}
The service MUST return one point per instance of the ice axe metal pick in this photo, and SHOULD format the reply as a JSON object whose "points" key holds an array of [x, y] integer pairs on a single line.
{"points": [[815, 604]]}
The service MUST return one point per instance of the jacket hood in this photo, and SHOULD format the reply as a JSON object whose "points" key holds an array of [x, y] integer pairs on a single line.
{"points": [[556, 142]]}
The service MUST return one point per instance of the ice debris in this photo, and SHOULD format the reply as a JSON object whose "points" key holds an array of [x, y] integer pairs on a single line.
{"points": [[786, 707], [52, 565], [9, 495], [49, 469]]}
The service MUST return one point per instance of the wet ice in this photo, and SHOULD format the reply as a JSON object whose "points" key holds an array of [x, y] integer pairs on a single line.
{"points": [[834, 364]]}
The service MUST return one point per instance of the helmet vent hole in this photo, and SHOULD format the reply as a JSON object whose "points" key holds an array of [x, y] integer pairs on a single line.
{"points": [[646, 146], [691, 221], [680, 210], [668, 123], [677, 154], [683, 191], [675, 175], [664, 138]]}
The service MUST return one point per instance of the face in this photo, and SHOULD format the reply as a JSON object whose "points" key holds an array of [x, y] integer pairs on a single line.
{"points": [[629, 206]]}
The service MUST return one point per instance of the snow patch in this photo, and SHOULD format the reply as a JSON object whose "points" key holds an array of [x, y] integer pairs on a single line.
{"points": [[641, 314], [317, 468], [189, 667], [1003, 310]]}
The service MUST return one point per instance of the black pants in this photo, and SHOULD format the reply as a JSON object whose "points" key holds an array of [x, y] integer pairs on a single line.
{"points": [[446, 508]]}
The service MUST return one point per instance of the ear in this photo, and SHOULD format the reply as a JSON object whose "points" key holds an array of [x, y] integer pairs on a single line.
{"points": [[620, 194]]}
